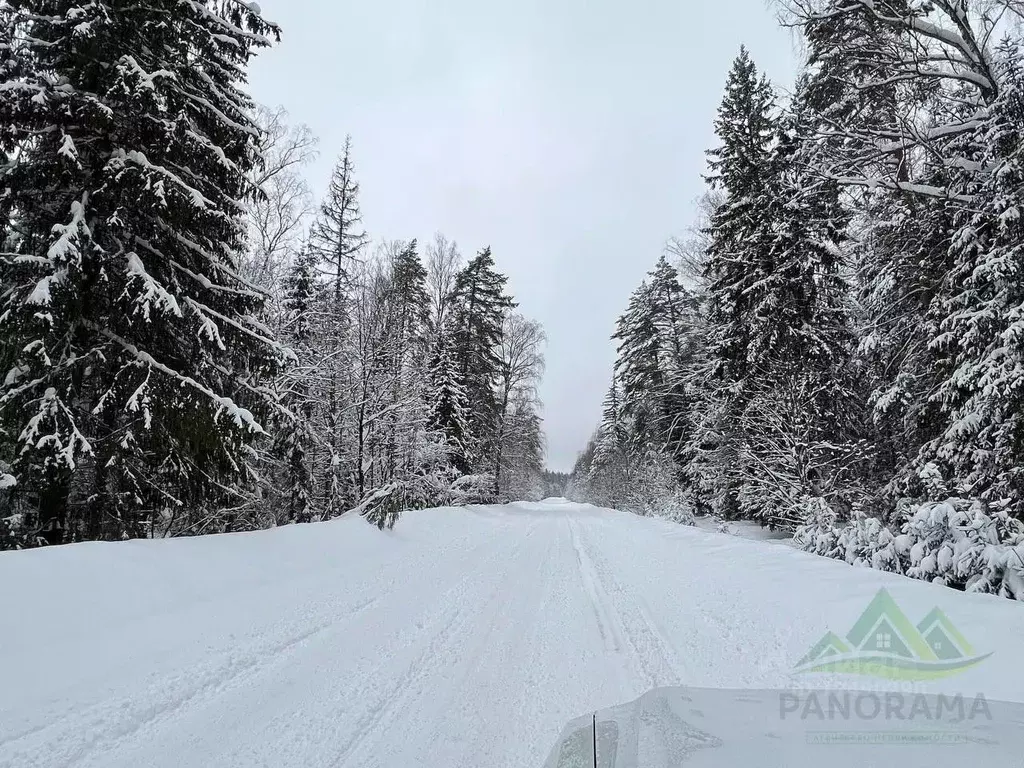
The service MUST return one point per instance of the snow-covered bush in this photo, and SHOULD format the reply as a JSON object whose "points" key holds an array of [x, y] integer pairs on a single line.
{"points": [[472, 489], [956, 542], [961, 544], [866, 541], [818, 534], [655, 492]]}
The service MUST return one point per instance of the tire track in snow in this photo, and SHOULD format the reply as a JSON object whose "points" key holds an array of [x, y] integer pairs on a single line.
{"points": [[607, 624], [91, 737], [652, 657], [409, 689], [86, 735]]}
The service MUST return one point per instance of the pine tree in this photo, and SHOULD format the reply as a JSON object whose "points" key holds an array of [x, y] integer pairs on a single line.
{"points": [[739, 231], [607, 471], [408, 319], [799, 320], [638, 370], [801, 407], [679, 328], [302, 294], [134, 365], [337, 238]]}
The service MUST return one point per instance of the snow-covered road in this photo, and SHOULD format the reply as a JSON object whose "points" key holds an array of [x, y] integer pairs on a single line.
{"points": [[462, 638]]}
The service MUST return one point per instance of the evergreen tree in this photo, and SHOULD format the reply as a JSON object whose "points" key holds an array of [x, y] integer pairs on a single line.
{"points": [[337, 238], [800, 318], [337, 241], [638, 370], [801, 409], [738, 259], [983, 329], [607, 471], [479, 307], [408, 319], [295, 433], [740, 233], [134, 365], [449, 405]]}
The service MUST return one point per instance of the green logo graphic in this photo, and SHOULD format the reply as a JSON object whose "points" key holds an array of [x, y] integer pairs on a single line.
{"points": [[884, 643]]}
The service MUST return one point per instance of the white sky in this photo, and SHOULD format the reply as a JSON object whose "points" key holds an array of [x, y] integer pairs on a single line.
{"points": [[569, 135]]}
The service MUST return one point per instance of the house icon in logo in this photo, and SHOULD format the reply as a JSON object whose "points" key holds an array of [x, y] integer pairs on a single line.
{"points": [[884, 643]]}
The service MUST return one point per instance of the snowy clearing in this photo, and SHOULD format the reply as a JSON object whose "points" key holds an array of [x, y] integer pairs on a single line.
{"points": [[465, 637]]}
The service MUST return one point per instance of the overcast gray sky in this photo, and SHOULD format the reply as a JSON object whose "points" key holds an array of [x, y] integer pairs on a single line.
{"points": [[568, 135]]}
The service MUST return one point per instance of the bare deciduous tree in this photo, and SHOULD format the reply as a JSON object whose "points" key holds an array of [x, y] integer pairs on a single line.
{"points": [[935, 61], [279, 215], [443, 264], [522, 364]]}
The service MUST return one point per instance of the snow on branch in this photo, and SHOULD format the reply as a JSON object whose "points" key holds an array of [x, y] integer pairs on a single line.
{"points": [[216, 262], [153, 291], [242, 417], [202, 310], [905, 186], [199, 200], [50, 407]]}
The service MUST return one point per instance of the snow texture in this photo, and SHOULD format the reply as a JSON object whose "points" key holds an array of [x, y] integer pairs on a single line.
{"points": [[463, 638]]}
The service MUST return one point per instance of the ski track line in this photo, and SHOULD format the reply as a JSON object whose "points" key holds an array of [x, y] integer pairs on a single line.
{"points": [[302, 584], [634, 670], [608, 626], [725, 633]]}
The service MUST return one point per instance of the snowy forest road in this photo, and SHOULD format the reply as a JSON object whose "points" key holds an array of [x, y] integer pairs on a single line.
{"points": [[462, 638]]}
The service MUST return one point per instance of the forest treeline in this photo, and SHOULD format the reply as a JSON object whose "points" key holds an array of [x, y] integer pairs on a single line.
{"points": [[839, 348], [187, 343]]}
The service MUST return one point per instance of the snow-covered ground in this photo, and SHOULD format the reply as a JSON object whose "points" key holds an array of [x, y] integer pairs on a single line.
{"points": [[461, 638], [745, 529]]}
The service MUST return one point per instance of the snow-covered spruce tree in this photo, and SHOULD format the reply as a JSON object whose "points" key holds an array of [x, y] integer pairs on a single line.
{"points": [[603, 478], [479, 305], [134, 370], [408, 316], [640, 374], [738, 258], [904, 88], [983, 328], [800, 426], [391, 411], [296, 449], [449, 404], [337, 242], [656, 349], [638, 454], [679, 330]]}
